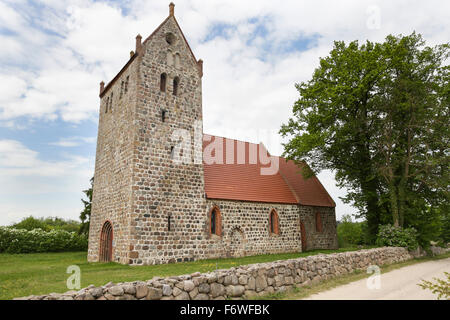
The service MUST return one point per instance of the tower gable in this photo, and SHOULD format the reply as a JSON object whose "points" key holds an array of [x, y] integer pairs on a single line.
{"points": [[169, 38]]}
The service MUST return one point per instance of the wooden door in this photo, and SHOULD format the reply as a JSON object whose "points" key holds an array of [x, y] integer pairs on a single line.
{"points": [[106, 238], [303, 235]]}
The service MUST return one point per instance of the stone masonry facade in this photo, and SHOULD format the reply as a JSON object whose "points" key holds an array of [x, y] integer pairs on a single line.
{"points": [[241, 282], [157, 208]]}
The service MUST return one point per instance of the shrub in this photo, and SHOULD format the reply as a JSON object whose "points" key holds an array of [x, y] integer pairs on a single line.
{"points": [[37, 240], [391, 236]]}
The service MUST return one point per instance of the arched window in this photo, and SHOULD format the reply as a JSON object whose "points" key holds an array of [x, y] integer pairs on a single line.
{"points": [[177, 60], [126, 84], [106, 238], [318, 222], [176, 81], [273, 223], [170, 58], [215, 221], [107, 105], [163, 82]]}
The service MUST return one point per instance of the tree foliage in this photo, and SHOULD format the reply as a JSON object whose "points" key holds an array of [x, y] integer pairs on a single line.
{"points": [[441, 287], [377, 114], [85, 215], [349, 233], [47, 224]]}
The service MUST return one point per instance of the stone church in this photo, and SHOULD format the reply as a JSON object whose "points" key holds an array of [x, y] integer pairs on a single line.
{"points": [[149, 208]]}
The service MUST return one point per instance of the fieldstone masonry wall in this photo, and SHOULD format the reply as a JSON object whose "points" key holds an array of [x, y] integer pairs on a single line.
{"points": [[242, 282], [245, 228]]}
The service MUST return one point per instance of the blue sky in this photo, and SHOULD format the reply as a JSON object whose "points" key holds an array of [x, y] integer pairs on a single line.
{"points": [[55, 53]]}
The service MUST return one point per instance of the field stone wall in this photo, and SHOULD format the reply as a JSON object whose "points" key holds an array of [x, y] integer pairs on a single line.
{"points": [[241, 282]]}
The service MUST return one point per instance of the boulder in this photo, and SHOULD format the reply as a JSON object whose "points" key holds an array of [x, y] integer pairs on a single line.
{"points": [[141, 291], [217, 290], [154, 294]]}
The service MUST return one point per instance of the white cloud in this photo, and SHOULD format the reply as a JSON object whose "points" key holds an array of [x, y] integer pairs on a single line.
{"points": [[52, 61], [17, 160], [32, 186], [73, 141]]}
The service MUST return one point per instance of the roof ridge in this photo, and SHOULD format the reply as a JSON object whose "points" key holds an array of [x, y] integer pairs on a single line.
{"points": [[258, 144]]}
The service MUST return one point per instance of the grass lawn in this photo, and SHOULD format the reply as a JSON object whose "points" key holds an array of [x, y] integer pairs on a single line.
{"points": [[300, 293], [42, 273]]}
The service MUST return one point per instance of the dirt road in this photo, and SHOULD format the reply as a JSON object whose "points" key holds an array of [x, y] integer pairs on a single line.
{"points": [[400, 284]]}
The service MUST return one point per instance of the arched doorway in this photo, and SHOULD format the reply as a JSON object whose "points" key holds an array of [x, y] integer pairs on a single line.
{"points": [[106, 238], [236, 243], [303, 235]]}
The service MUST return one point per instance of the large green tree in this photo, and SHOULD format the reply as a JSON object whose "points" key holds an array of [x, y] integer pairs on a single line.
{"points": [[376, 115]]}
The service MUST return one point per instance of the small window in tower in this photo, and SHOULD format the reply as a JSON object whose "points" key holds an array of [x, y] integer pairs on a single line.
{"points": [[177, 60], [107, 105], [172, 152], [169, 58], [163, 82], [111, 103], [126, 84], [169, 225], [163, 115], [176, 82], [170, 38], [122, 84]]}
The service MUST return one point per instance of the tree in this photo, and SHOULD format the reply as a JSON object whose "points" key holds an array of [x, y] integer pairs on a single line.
{"points": [[375, 114], [413, 122], [85, 215], [349, 232], [31, 223], [47, 224]]}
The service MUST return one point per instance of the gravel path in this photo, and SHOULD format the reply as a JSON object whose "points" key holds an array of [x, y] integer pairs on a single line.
{"points": [[399, 284]]}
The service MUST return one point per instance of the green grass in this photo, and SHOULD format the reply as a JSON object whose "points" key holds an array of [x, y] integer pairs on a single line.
{"points": [[306, 291], [42, 273]]}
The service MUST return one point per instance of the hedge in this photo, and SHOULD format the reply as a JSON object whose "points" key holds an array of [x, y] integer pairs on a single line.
{"points": [[23, 241]]}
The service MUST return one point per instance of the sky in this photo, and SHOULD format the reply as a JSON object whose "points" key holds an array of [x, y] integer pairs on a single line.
{"points": [[54, 53]]}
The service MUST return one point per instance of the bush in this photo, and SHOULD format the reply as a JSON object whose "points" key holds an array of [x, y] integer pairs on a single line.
{"points": [[37, 240], [349, 233], [391, 236]]}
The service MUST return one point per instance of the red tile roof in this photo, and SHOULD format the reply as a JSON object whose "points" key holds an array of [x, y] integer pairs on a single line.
{"points": [[309, 191], [242, 180]]}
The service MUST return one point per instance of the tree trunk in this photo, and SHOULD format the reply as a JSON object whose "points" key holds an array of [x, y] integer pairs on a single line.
{"points": [[401, 201], [394, 203], [369, 189]]}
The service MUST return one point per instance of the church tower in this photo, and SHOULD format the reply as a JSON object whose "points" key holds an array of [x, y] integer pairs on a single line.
{"points": [[148, 194]]}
